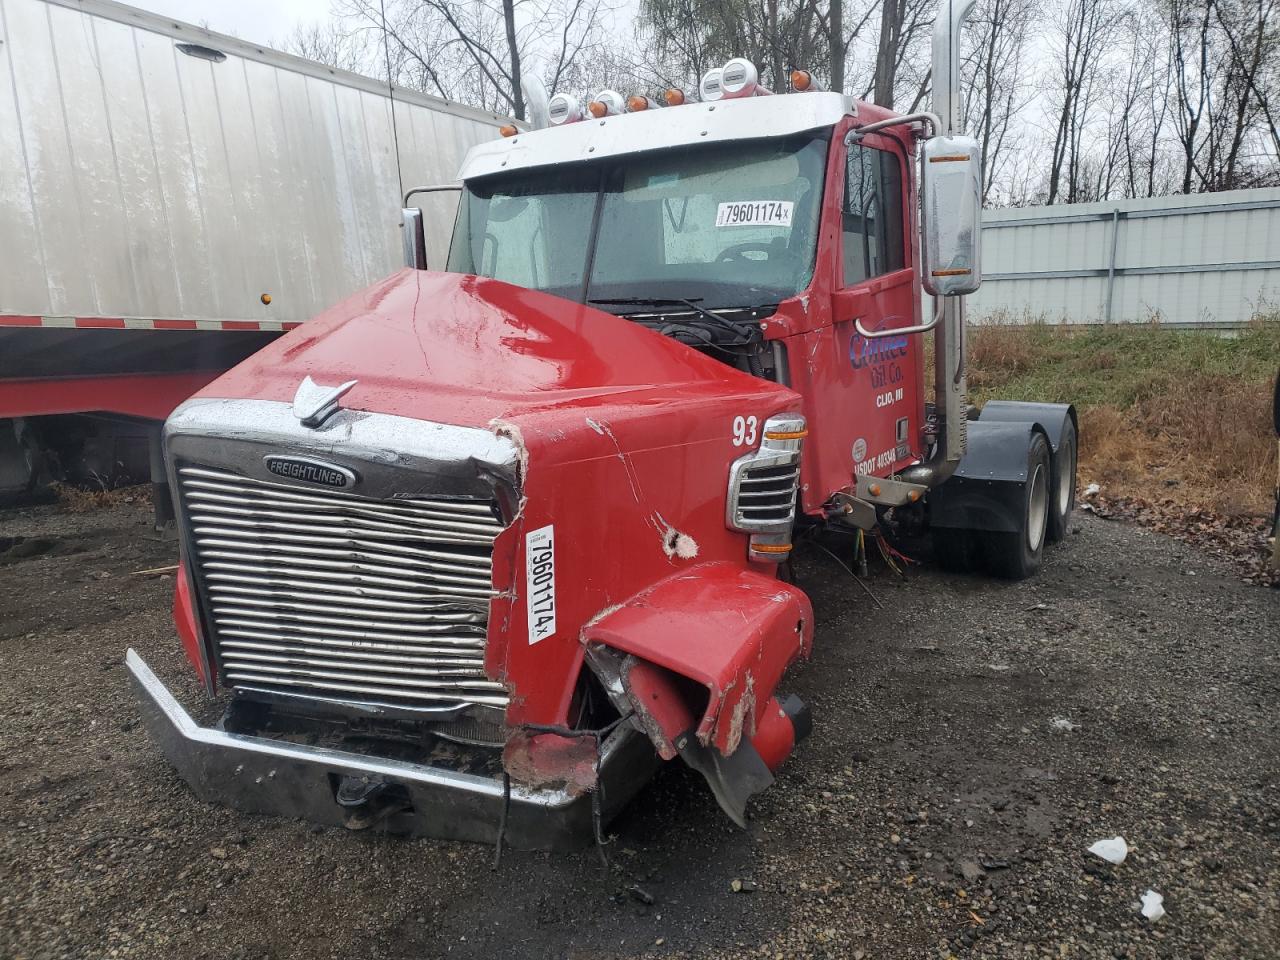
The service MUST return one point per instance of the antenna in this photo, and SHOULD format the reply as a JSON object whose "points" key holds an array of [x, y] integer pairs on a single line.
{"points": [[391, 95]]}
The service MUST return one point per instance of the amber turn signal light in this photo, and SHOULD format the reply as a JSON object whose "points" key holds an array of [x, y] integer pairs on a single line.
{"points": [[674, 97], [637, 103], [597, 109], [801, 80], [508, 130]]}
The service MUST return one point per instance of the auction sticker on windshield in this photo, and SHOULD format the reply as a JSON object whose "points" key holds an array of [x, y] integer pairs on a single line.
{"points": [[755, 213]]}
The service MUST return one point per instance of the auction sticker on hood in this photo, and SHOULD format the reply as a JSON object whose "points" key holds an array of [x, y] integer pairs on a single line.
{"points": [[540, 581], [755, 213]]}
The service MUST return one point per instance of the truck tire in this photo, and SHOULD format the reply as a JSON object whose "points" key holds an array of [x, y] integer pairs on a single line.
{"points": [[1016, 556], [955, 551], [1062, 489]]}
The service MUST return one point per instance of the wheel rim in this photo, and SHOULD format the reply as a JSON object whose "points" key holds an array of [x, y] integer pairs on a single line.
{"points": [[1066, 475], [1036, 509]]}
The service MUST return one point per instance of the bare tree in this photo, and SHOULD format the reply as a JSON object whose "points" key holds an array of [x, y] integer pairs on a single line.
{"points": [[835, 34], [1071, 100], [329, 43], [476, 51], [1083, 30], [996, 88], [1257, 58], [901, 46], [691, 36], [1252, 40]]}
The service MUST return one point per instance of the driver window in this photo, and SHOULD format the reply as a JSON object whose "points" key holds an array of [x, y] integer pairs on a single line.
{"points": [[873, 234]]}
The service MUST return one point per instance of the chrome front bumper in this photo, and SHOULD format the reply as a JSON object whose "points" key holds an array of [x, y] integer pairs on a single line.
{"points": [[260, 775]]}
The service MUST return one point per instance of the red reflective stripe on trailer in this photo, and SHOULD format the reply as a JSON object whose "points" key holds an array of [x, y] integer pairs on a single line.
{"points": [[145, 323], [150, 395], [141, 323]]}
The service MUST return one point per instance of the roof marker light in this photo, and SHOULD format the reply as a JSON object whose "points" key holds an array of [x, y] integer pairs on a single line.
{"points": [[802, 80], [739, 78], [674, 97], [563, 108], [508, 130], [607, 103], [639, 102], [709, 87]]}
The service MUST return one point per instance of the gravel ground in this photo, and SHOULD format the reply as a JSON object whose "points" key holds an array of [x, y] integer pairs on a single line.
{"points": [[937, 810]]}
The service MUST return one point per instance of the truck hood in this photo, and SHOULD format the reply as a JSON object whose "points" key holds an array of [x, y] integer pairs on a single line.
{"points": [[467, 350]]}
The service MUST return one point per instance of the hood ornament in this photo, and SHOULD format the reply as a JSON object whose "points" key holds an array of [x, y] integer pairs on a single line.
{"points": [[314, 404]]}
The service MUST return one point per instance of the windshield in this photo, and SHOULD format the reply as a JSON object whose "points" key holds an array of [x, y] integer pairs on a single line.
{"points": [[725, 225]]}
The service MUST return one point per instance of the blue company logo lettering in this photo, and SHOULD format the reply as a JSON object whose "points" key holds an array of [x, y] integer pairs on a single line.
{"points": [[864, 352]]}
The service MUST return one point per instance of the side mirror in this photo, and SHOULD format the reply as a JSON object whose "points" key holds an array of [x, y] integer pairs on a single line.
{"points": [[414, 237], [951, 215]]}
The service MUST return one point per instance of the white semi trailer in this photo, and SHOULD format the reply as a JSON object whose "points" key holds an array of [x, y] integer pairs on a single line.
{"points": [[170, 200]]}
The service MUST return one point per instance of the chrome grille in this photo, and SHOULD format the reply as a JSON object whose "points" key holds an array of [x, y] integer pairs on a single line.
{"points": [[764, 482], [325, 593], [767, 494]]}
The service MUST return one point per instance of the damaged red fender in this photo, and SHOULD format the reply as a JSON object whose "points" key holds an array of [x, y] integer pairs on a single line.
{"points": [[723, 625], [551, 760], [184, 616]]}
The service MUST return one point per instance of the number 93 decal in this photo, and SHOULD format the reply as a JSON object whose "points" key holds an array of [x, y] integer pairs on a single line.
{"points": [[745, 431]]}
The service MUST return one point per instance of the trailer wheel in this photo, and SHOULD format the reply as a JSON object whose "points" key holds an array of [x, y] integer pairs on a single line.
{"points": [[1016, 556], [1062, 491], [955, 550]]}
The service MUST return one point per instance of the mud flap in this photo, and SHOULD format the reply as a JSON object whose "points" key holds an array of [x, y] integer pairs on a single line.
{"points": [[734, 779], [988, 489]]}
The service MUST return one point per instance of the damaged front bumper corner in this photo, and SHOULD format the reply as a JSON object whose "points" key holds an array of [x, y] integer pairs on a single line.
{"points": [[261, 775]]}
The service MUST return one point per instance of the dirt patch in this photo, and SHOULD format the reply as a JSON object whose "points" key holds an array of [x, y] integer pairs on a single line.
{"points": [[81, 499], [1240, 539], [937, 810]]}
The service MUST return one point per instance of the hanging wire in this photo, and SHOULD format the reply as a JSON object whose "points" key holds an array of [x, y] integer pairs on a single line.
{"points": [[857, 579], [391, 95], [598, 735]]}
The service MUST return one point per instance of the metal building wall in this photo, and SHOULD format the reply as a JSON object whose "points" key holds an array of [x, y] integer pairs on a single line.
{"points": [[1204, 260], [137, 181]]}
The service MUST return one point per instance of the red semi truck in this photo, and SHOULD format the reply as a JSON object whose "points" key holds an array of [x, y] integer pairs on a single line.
{"points": [[474, 551]]}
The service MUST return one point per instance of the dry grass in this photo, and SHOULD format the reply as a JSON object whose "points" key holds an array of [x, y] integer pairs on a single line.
{"points": [[1182, 415], [78, 500]]}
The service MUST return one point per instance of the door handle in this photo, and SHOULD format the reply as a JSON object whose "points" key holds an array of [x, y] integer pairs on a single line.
{"points": [[901, 331]]}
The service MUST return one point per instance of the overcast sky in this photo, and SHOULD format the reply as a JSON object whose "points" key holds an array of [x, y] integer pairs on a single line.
{"points": [[255, 21]]}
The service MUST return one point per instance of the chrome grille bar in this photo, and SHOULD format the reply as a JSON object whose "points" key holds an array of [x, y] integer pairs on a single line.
{"points": [[312, 590]]}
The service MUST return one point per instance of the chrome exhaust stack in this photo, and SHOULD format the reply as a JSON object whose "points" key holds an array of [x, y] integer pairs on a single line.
{"points": [[949, 385]]}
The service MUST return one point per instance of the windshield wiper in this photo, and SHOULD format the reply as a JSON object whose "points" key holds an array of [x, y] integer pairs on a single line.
{"points": [[651, 301], [692, 303]]}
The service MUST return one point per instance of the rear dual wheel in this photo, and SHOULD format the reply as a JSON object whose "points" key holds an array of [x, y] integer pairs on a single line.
{"points": [[1062, 489]]}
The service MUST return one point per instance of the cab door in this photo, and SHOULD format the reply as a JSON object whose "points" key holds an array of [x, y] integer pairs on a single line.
{"points": [[879, 290]]}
